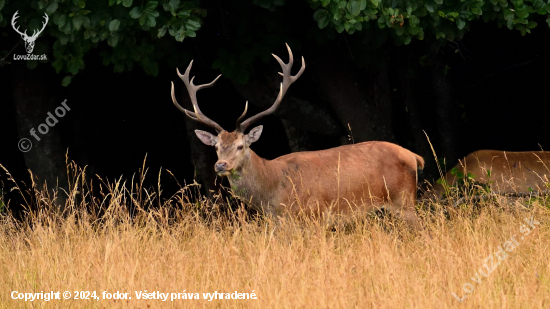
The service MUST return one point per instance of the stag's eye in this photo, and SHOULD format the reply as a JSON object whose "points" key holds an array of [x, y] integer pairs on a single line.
{"points": [[240, 147]]}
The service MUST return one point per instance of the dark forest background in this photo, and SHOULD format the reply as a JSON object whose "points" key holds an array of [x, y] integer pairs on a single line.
{"points": [[484, 88]]}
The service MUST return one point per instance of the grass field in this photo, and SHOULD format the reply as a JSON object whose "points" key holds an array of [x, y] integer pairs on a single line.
{"points": [[181, 245]]}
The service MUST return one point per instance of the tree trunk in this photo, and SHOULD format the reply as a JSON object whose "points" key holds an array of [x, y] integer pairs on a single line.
{"points": [[44, 151]]}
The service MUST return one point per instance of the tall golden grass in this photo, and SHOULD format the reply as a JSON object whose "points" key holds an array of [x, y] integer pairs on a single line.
{"points": [[188, 244]]}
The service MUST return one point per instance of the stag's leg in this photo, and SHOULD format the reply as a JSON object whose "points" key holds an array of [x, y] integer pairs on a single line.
{"points": [[403, 206]]}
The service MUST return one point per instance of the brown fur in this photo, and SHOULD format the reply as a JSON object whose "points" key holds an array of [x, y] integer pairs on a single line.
{"points": [[511, 172], [360, 177]]}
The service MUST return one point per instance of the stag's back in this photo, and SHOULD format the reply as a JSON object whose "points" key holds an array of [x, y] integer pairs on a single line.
{"points": [[372, 173]]}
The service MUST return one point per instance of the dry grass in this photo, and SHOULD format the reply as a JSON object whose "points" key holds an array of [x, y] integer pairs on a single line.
{"points": [[179, 244]]}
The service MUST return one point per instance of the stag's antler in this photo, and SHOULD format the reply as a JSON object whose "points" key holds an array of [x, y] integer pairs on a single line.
{"points": [[288, 79], [34, 33], [15, 16], [192, 89], [24, 34]]}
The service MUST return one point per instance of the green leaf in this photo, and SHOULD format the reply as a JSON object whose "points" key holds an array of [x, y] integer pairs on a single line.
{"points": [[151, 22], [86, 22], [523, 13], [531, 25], [538, 4], [127, 3], [112, 40], [460, 24], [114, 25], [430, 7], [143, 19], [180, 35], [190, 33], [171, 5], [77, 22], [162, 31], [548, 21], [477, 11], [193, 24], [136, 13], [151, 5], [354, 7], [325, 3], [510, 24], [184, 13], [66, 80], [52, 7], [414, 20], [62, 20], [322, 18]]}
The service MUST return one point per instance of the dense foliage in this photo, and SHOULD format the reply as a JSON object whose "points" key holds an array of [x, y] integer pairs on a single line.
{"points": [[147, 32]]}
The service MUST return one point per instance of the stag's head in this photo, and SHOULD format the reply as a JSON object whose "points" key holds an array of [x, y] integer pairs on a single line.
{"points": [[29, 40], [233, 148]]}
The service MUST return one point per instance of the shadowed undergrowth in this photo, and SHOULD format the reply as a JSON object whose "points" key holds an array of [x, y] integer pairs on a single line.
{"points": [[188, 244]]}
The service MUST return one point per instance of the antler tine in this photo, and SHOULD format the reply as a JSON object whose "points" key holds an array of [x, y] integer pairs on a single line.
{"points": [[192, 90], [288, 79], [243, 114]]}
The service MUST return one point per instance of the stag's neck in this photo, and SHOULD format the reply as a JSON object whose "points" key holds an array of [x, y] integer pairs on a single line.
{"points": [[256, 180]]}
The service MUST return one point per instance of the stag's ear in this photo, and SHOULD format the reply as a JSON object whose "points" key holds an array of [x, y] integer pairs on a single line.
{"points": [[254, 134], [207, 138]]}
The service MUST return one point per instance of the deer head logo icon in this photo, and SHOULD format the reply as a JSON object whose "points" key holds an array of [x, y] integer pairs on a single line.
{"points": [[29, 40]]}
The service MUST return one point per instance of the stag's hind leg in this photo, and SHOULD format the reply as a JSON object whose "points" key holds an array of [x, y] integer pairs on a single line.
{"points": [[403, 205]]}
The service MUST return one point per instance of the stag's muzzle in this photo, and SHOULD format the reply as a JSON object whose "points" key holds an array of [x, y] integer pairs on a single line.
{"points": [[221, 168]]}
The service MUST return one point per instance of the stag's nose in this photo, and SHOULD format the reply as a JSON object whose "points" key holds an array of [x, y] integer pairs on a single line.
{"points": [[220, 166]]}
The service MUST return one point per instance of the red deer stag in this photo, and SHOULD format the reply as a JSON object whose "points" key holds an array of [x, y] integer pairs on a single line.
{"points": [[503, 172], [362, 176]]}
